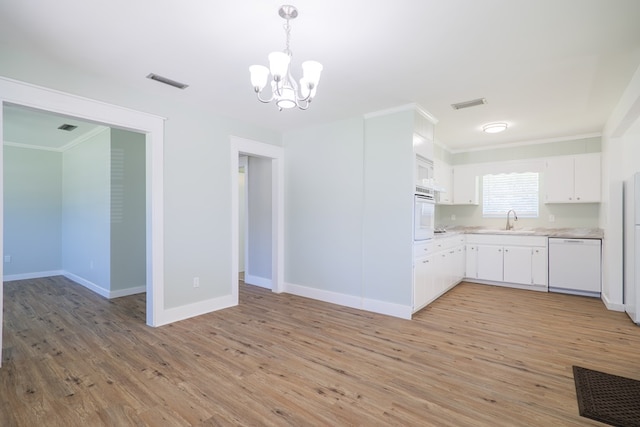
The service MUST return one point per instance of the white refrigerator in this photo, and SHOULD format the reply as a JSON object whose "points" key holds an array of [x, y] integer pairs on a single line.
{"points": [[632, 248]]}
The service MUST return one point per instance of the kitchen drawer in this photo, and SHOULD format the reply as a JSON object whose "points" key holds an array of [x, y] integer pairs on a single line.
{"points": [[448, 242], [501, 239], [422, 249]]}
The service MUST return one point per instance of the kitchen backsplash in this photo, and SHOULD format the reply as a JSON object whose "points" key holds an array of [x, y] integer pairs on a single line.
{"points": [[570, 215]]}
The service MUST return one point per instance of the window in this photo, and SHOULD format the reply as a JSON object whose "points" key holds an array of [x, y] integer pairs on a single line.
{"points": [[517, 191]]}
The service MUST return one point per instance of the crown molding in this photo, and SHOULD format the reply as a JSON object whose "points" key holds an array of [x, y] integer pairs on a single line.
{"points": [[82, 138], [406, 107], [523, 143]]}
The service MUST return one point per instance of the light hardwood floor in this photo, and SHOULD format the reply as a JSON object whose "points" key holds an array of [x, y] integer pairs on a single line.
{"points": [[479, 356]]}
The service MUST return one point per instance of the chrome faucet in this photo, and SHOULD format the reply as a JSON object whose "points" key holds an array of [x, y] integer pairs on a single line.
{"points": [[515, 218]]}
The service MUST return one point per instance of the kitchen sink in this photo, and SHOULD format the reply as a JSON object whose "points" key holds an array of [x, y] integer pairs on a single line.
{"points": [[503, 231]]}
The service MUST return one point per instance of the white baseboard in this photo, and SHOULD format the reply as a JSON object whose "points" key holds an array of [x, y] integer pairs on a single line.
{"points": [[613, 306], [87, 284], [322, 295], [79, 280], [196, 309], [36, 275], [388, 308], [257, 281], [102, 291], [380, 307], [127, 291]]}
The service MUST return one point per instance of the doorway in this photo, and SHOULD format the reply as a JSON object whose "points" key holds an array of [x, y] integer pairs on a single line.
{"points": [[271, 157], [74, 202], [16, 93]]}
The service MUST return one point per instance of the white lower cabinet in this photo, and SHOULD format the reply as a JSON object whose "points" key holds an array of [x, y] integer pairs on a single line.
{"points": [[422, 282], [519, 261], [437, 267], [540, 266], [490, 262]]}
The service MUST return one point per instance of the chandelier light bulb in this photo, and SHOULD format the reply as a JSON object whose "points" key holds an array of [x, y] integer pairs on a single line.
{"points": [[259, 76], [279, 64]]}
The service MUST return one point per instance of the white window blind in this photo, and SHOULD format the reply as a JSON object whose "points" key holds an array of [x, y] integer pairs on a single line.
{"points": [[517, 191]]}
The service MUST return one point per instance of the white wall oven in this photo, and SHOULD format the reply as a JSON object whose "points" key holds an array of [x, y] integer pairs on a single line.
{"points": [[423, 215]]}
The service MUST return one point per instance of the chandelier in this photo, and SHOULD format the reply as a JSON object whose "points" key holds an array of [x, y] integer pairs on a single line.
{"points": [[284, 89]]}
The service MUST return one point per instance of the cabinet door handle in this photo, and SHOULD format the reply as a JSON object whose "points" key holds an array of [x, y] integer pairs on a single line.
{"points": [[425, 261]]}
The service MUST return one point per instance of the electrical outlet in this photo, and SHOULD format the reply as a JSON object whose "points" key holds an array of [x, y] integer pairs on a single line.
{"points": [[196, 282], [453, 217], [552, 218], [7, 258]]}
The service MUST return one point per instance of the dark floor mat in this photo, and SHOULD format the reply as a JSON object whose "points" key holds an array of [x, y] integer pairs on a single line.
{"points": [[607, 398]]}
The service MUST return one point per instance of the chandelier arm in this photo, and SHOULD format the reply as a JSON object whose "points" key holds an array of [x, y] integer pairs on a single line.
{"points": [[265, 101], [304, 106], [307, 98], [277, 89]]}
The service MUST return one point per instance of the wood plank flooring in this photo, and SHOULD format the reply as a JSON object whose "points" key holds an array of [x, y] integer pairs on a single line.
{"points": [[479, 356]]}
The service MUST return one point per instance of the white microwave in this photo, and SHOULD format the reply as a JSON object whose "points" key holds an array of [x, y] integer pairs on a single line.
{"points": [[423, 216], [424, 172]]}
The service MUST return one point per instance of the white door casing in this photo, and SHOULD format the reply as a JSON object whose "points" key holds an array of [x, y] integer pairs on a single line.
{"points": [[242, 146]]}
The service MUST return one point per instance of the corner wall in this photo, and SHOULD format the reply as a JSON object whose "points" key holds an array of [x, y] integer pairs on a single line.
{"points": [[86, 183], [128, 213]]}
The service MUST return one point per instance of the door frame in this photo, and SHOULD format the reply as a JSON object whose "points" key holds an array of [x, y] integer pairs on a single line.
{"points": [[243, 146], [152, 126]]}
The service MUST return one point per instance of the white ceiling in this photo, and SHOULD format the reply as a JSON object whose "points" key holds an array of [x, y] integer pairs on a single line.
{"points": [[549, 68]]}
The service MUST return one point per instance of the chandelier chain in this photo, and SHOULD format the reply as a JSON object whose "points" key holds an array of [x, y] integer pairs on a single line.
{"points": [[287, 30]]}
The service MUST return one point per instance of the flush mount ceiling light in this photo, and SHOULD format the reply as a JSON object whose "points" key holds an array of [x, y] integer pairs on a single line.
{"points": [[494, 127], [284, 89]]}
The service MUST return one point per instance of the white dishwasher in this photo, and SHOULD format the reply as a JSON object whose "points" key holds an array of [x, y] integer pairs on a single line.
{"points": [[575, 266]]}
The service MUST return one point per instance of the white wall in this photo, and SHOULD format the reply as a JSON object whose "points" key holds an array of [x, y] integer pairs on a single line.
{"points": [[32, 211], [388, 208], [349, 212], [86, 179], [128, 211], [621, 159], [324, 206]]}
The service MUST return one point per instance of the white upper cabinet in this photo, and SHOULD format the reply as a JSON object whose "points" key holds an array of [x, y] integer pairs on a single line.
{"points": [[465, 186], [573, 179], [443, 178], [423, 136]]}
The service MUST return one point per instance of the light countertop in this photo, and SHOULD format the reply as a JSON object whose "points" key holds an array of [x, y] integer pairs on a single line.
{"points": [[568, 233]]}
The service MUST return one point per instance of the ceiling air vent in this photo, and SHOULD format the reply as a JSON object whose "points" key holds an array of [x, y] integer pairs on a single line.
{"points": [[167, 81], [67, 127], [467, 104]]}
